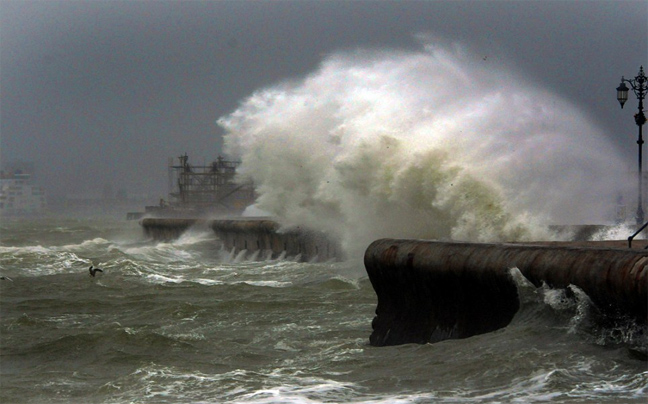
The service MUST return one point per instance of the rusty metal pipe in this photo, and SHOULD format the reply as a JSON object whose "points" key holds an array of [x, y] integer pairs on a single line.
{"points": [[429, 291]]}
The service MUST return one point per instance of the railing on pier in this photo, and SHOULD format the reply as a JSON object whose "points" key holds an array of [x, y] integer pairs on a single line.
{"points": [[635, 234]]}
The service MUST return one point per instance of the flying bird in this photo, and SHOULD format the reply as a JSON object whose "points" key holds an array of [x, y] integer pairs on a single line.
{"points": [[93, 271]]}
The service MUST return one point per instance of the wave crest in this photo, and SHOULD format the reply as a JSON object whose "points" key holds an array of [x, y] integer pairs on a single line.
{"points": [[427, 144]]}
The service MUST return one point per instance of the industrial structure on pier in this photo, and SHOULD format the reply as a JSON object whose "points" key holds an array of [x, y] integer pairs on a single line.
{"points": [[203, 190]]}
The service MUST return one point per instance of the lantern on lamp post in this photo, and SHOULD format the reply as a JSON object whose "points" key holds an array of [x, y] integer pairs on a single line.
{"points": [[639, 87]]}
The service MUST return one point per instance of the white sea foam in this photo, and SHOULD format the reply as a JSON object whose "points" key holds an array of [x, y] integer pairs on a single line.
{"points": [[25, 250], [161, 279], [618, 232], [194, 236], [270, 284], [299, 391], [429, 144], [165, 252], [240, 256], [39, 260], [208, 282], [86, 245]]}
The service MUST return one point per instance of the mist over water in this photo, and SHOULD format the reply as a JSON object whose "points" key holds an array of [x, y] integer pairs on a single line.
{"points": [[440, 143]]}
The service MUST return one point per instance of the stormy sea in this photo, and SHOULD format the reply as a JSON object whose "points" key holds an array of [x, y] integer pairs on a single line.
{"points": [[432, 143], [189, 322]]}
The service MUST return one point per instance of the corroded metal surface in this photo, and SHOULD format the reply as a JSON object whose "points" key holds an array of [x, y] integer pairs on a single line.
{"points": [[428, 291]]}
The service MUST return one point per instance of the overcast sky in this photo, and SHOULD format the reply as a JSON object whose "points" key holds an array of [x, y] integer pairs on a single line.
{"points": [[103, 92]]}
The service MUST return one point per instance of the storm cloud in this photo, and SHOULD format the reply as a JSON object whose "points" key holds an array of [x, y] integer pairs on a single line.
{"points": [[103, 92]]}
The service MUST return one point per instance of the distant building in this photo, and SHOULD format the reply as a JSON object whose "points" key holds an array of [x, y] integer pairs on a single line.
{"points": [[19, 196]]}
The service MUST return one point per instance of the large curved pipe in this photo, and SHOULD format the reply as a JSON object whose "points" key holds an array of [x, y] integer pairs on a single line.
{"points": [[429, 291]]}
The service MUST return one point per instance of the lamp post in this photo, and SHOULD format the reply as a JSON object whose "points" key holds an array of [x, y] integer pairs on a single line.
{"points": [[639, 86]]}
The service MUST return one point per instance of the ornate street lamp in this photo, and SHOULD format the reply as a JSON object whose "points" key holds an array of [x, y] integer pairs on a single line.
{"points": [[639, 86]]}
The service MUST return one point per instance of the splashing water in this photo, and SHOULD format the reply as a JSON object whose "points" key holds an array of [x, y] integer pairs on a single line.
{"points": [[430, 144]]}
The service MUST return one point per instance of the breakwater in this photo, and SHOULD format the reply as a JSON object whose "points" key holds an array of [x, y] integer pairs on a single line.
{"points": [[430, 291], [167, 229], [261, 235], [269, 236]]}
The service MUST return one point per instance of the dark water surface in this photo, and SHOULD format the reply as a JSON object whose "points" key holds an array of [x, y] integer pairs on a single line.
{"points": [[186, 322]]}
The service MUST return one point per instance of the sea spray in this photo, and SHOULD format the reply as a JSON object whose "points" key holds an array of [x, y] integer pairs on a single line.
{"points": [[422, 144]]}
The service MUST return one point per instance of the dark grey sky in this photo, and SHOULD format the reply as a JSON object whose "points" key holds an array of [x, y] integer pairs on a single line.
{"points": [[103, 92]]}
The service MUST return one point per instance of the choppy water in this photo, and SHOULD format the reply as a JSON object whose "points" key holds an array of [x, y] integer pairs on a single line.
{"points": [[186, 322]]}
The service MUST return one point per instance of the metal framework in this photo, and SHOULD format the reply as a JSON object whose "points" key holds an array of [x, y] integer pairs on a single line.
{"points": [[210, 187]]}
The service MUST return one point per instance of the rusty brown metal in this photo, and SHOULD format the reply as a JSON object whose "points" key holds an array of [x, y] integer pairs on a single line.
{"points": [[428, 291]]}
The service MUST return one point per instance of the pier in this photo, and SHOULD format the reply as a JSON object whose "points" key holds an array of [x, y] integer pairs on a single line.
{"points": [[252, 235]]}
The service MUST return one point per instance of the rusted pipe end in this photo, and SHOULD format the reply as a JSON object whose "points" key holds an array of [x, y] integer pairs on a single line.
{"points": [[428, 291]]}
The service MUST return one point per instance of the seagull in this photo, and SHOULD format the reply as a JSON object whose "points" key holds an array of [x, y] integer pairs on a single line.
{"points": [[93, 271]]}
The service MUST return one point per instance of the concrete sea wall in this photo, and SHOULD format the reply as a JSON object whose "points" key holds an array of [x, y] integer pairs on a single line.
{"points": [[267, 235], [252, 235], [430, 291], [166, 229]]}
